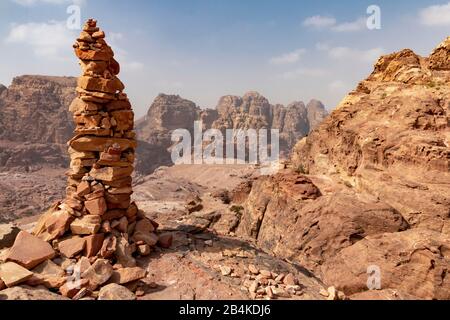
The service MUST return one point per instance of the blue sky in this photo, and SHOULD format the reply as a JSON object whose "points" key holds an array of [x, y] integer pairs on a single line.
{"points": [[202, 49]]}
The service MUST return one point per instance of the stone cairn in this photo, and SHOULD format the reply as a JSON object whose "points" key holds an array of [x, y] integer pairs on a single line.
{"points": [[97, 231]]}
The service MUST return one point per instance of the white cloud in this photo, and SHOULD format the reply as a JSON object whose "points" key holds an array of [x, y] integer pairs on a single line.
{"points": [[357, 25], [288, 58], [437, 15], [346, 53], [52, 40], [303, 72], [330, 23], [319, 22], [30, 3]]}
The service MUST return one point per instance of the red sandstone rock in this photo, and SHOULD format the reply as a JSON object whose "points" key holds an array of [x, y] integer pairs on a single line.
{"points": [[29, 251], [53, 224], [126, 275], [93, 244], [165, 240], [97, 206], [72, 287], [98, 273], [72, 246], [12, 274], [87, 225]]}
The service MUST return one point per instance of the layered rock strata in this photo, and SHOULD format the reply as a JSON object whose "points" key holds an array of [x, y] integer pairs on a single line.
{"points": [[97, 225]]}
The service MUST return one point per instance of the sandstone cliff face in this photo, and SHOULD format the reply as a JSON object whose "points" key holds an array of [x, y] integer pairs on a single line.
{"points": [[390, 137], [310, 219], [166, 114], [378, 193], [33, 109], [252, 111], [33, 117], [316, 113]]}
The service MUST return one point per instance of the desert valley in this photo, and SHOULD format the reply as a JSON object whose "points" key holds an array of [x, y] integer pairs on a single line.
{"points": [[361, 192]]}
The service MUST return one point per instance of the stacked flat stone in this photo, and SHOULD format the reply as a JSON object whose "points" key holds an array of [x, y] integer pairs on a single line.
{"points": [[102, 151], [97, 223]]}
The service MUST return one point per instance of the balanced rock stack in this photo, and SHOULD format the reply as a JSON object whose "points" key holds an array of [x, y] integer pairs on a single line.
{"points": [[97, 228]]}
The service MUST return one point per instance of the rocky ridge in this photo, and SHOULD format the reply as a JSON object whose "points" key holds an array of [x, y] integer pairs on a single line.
{"points": [[35, 122], [376, 189], [74, 245], [252, 111]]}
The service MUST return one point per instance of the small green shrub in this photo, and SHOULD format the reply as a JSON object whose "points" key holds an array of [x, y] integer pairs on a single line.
{"points": [[237, 209], [301, 169]]}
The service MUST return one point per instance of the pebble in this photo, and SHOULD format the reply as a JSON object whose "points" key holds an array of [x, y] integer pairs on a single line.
{"points": [[209, 243], [253, 269], [324, 292], [267, 274], [269, 292], [290, 280], [279, 292], [225, 270], [332, 294], [279, 278], [253, 287]]}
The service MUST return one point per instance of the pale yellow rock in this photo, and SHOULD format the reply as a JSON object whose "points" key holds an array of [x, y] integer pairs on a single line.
{"points": [[12, 274], [87, 225], [98, 144]]}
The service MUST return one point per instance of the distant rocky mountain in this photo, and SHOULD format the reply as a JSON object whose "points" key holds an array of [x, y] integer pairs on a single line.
{"points": [[374, 209], [316, 113], [252, 111], [34, 121], [166, 114]]}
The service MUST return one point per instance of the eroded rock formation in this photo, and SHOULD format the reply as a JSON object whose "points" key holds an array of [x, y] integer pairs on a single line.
{"points": [[252, 111], [97, 225], [378, 189], [34, 121]]}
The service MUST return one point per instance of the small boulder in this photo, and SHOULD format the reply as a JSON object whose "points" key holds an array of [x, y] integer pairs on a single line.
{"points": [[23, 293], [72, 246], [124, 253], [48, 274], [87, 225], [72, 287], [29, 251], [98, 273], [149, 238], [8, 234], [126, 275], [93, 244], [12, 274], [114, 291], [165, 240]]}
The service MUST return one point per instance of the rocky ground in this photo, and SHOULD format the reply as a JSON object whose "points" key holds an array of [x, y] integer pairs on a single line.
{"points": [[35, 122], [206, 259], [206, 210], [364, 197], [27, 194]]}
